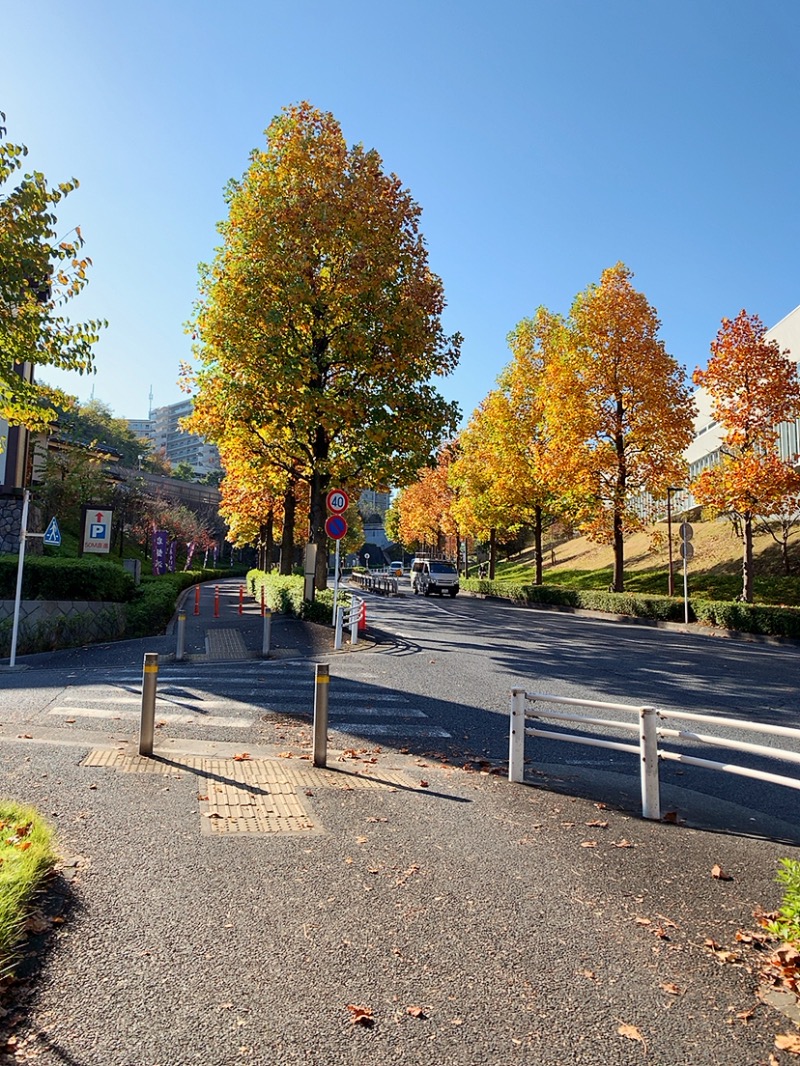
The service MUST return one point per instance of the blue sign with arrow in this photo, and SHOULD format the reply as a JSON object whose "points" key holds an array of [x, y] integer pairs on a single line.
{"points": [[52, 535]]}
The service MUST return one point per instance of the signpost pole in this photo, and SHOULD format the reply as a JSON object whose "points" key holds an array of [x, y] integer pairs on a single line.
{"points": [[23, 533]]}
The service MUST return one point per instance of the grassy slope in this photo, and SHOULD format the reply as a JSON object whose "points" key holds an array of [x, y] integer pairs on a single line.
{"points": [[714, 573]]}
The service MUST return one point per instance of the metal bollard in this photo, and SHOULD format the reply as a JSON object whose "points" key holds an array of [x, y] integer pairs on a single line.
{"points": [[266, 635], [216, 601], [337, 638], [262, 600], [321, 686], [197, 599], [241, 599], [149, 685], [181, 637]]}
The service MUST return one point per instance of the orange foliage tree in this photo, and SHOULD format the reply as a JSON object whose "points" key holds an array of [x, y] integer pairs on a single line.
{"points": [[319, 324], [753, 387], [425, 507], [617, 407]]}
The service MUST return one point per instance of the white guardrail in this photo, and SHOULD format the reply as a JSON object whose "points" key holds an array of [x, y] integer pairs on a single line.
{"points": [[650, 731], [350, 617]]}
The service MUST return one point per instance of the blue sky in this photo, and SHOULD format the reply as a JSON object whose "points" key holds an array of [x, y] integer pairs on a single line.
{"points": [[545, 140]]}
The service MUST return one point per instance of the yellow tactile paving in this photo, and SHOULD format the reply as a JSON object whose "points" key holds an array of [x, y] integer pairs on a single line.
{"points": [[251, 795]]}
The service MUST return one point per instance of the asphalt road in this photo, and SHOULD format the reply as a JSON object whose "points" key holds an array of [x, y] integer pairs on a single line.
{"points": [[462, 657], [479, 921]]}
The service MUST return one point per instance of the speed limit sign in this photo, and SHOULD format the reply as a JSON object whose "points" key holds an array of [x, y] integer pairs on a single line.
{"points": [[338, 501]]}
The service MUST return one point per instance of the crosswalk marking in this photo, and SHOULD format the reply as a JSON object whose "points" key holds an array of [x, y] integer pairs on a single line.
{"points": [[371, 729], [254, 690], [217, 721]]}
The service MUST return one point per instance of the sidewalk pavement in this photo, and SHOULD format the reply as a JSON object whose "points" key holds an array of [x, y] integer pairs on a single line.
{"points": [[390, 908]]}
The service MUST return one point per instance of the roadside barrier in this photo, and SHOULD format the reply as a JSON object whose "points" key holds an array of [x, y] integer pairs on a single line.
{"points": [[526, 705], [148, 717], [382, 583], [350, 617], [321, 687]]}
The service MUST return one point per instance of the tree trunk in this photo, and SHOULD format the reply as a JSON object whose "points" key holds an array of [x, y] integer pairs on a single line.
{"points": [[619, 501], [492, 552], [537, 543], [747, 559], [619, 553], [287, 538]]}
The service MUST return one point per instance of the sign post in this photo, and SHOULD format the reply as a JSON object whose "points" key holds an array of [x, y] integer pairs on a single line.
{"points": [[687, 553], [96, 530], [336, 527]]}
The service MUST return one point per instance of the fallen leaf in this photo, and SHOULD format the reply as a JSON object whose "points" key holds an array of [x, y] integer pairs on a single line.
{"points": [[361, 840], [361, 1015], [643, 921], [788, 1042], [588, 843], [423, 784], [597, 824], [212, 814], [202, 798], [416, 1012], [719, 874], [245, 755], [632, 1033], [70, 721], [670, 988], [670, 816], [590, 974], [622, 844]]}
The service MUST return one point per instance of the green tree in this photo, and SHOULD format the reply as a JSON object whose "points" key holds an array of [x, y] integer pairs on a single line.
{"points": [[319, 324], [93, 425], [39, 273]]}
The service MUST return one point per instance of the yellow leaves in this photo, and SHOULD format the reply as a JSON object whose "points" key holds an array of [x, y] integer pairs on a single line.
{"points": [[788, 1042], [630, 1032]]}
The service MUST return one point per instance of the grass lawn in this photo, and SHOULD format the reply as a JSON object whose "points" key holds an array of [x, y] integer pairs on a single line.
{"points": [[26, 858], [714, 573]]}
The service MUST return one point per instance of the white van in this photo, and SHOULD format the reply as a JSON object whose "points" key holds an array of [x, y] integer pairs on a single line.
{"points": [[433, 575]]}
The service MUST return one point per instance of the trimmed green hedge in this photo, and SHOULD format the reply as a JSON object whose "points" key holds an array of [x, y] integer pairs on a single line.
{"points": [[749, 617], [154, 602], [65, 579], [743, 617], [285, 595]]}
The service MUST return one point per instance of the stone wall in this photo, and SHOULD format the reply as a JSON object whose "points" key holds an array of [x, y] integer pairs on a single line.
{"points": [[10, 522]]}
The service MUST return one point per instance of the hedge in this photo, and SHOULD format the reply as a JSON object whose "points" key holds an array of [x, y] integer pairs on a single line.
{"points": [[153, 604], [284, 594], [742, 617], [65, 579]]}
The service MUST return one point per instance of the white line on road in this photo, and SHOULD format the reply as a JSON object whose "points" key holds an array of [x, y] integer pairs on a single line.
{"points": [[218, 721]]}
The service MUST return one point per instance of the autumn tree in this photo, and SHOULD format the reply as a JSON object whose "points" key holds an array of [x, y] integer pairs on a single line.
{"points": [[618, 408], [425, 506], [505, 469], [39, 273], [319, 323], [753, 387]]}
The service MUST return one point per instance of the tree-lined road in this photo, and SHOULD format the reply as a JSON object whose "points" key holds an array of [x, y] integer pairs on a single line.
{"points": [[462, 657]]}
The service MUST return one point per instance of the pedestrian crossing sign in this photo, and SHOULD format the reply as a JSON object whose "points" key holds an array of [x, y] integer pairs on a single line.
{"points": [[52, 535]]}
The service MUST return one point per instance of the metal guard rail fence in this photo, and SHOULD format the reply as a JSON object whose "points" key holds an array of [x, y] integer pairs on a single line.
{"points": [[377, 583], [350, 617], [649, 732]]}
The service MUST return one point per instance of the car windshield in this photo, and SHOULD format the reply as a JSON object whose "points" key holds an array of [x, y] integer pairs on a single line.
{"points": [[442, 568]]}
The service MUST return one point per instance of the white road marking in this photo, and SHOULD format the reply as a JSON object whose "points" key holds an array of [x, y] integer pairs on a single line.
{"points": [[217, 721]]}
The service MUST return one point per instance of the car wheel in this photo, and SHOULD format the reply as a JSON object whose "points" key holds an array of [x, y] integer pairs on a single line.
{"points": [[453, 593]]}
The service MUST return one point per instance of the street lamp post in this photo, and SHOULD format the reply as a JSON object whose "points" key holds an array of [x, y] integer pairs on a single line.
{"points": [[671, 578]]}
